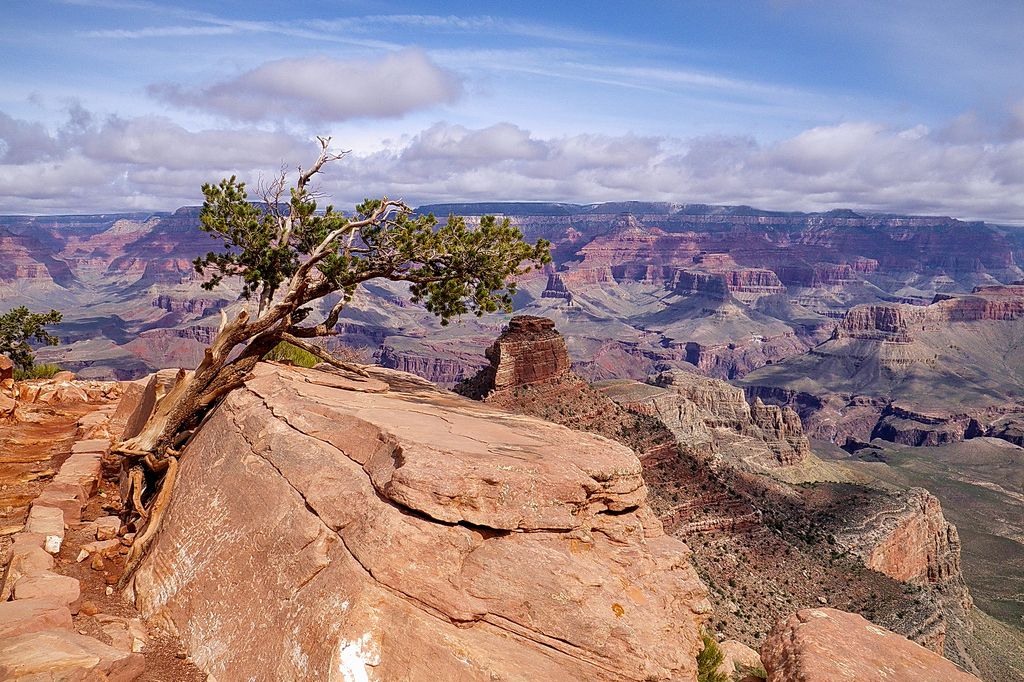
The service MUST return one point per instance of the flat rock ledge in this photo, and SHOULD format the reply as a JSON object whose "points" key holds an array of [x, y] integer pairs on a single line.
{"points": [[325, 527]]}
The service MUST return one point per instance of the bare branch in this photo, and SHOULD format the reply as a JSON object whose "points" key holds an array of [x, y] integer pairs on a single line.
{"points": [[325, 157]]}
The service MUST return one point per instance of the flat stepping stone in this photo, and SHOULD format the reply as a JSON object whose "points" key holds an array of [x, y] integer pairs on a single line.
{"points": [[64, 655], [32, 615], [48, 585], [84, 469], [48, 522], [64, 496]]}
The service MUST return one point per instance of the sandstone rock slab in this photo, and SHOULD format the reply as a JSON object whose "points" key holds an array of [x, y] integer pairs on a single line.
{"points": [[8, 407], [83, 468], [22, 616], [417, 535], [62, 655], [826, 645], [91, 445], [48, 585], [27, 557], [64, 496], [48, 522]]}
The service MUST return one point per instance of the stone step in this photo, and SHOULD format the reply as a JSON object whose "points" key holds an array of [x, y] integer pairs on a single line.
{"points": [[83, 468], [63, 655], [22, 616], [64, 496], [27, 557], [48, 585], [48, 522]]}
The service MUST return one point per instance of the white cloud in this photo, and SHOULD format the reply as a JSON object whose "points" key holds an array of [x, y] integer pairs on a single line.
{"points": [[152, 162], [322, 89]]}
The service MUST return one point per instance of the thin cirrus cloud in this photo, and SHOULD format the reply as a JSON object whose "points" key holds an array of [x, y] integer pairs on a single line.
{"points": [[324, 90]]}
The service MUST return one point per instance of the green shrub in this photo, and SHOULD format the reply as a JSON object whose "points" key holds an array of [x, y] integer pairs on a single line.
{"points": [[287, 353], [42, 371], [708, 660]]}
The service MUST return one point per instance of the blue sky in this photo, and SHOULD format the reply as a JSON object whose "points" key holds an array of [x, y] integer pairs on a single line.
{"points": [[785, 104]]}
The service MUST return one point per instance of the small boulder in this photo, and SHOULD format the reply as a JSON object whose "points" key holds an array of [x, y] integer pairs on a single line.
{"points": [[6, 368], [107, 527], [104, 548], [739, 660]]}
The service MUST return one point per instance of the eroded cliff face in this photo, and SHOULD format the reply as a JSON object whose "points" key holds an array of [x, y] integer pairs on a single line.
{"points": [[383, 529], [900, 323], [722, 406], [908, 539]]}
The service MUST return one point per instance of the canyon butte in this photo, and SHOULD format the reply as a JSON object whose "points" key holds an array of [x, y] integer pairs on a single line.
{"points": [[799, 433]]}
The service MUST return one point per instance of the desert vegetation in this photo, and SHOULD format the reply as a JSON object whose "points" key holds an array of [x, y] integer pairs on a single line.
{"points": [[19, 328]]}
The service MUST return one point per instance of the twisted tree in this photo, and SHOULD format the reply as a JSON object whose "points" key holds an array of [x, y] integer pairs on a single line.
{"points": [[288, 256]]}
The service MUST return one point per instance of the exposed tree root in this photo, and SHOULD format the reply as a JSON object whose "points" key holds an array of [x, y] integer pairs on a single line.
{"points": [[136, 480], [142, 542]]}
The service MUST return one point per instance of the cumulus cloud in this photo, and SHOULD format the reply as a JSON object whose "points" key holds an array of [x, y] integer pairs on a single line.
{"points": [[95, 165], [24, 141], [145, 162], [322, 89], [861, 165]]}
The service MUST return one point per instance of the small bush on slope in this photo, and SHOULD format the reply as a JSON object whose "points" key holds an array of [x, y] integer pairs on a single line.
{"points": [[288, 353], [36, 372], [708, 661]]}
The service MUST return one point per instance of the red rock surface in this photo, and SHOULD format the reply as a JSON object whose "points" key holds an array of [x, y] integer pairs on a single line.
{"points": [[530, 351], [397, 546], [64, 655], [6, 369], [826, 645], [910, 541]]}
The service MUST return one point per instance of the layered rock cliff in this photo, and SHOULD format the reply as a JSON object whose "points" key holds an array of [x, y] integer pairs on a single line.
{"points": [[711, 459], [722, 406], [908, 539], [896, 323], [382, 529], [528, 352]]}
